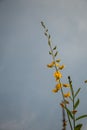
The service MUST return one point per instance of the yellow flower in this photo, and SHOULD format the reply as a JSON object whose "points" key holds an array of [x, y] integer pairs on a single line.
{"points": [[51, 64], [61, 67], [58, 86], [55, 90], [66, 95], [65, 85], [57, 75]]}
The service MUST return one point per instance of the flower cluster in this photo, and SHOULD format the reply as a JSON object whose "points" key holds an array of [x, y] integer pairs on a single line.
{"points": [[68, 97], [57, 74]]}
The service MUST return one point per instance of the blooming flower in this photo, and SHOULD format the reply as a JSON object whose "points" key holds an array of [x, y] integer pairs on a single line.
{"points": [[55, 90], [65, 85], [66, 95], [57, 75], [61, 67], [51, 64], [58, 86]]}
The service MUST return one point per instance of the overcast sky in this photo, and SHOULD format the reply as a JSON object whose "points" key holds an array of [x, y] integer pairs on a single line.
{"points": [[26, 100]]}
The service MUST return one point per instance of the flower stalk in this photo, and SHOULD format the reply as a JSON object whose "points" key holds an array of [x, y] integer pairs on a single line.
{"points": [[69, 98]]}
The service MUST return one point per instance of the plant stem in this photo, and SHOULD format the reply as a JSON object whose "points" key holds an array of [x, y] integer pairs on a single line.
{"points": [[73, 100], [66, 111], [60, 83], [73, 108], [53, 57], [64, 120]]}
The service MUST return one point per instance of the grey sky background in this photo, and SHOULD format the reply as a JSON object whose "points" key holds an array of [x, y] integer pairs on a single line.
{"points": [[26, 100]]}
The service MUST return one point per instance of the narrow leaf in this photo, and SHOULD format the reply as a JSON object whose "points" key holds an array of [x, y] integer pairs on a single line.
{"points": [[45, 34], [76, 104], [77, 92], [80, 117], [49, 42], [46, 30], [78, 127], [50, 53], [69, 113], [56, 54], [42, 23], [54, 48]]}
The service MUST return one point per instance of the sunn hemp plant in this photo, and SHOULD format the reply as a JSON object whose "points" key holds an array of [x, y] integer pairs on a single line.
{"points": [[69, 98]]}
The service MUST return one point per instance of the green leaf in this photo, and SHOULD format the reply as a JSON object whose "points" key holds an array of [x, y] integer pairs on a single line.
{"points": [[76, 104], [54, 48], [77, 92], [56, 54], [42, 23], [78, 127], [45, 34], [50, 53], [46, 30], [69, 113], [49, 42], [80, 117]]}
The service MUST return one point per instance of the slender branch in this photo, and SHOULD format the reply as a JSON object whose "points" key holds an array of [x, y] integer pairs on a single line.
{"points": [[64, 120], [66, 111], [73, 99]]}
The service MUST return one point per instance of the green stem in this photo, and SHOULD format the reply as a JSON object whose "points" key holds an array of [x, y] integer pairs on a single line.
{"points": [[73, 100], [66, 111], [73, 108], [53, 56], [61, 88], [64, 119]]}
